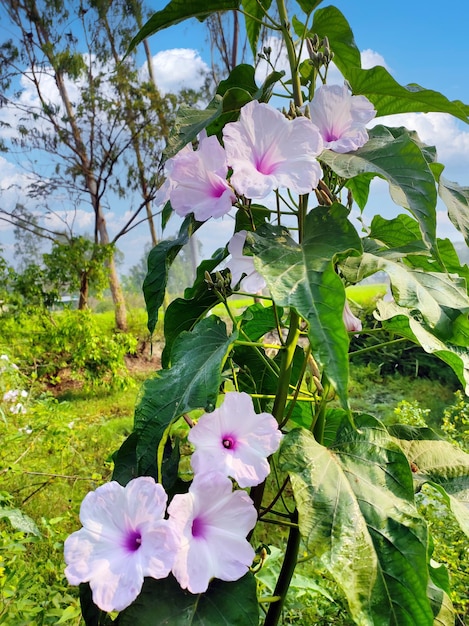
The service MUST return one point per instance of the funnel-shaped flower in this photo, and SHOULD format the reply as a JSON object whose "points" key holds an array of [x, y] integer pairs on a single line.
{"points": [[352, 323], [268, 151], [124, 538], [212, 521], [341, 117], [196, 181], [240, 264], [235, 441]]}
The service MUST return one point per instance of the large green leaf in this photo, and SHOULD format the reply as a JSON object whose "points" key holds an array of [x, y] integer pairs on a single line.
{"points": [[440, 463], [396, 158], [400, 239], [178, 10], [356, 512], [159, 262], [303, 276], [400, 321], [164, 603], [192, 382], [456, 199], [439, 298], [388, 97]]}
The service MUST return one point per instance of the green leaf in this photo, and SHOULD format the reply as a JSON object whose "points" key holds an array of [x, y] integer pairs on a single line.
{"points": [[189, 123], [303, 276], [20, 521], [439, 298], [399, 320], [438, 592], [357, 514], [163, 602], [178, 10], [360, 188], [330, 22], [192, 382], [308, 6], [456, 199], [254, 12], [399, 161], [388, 97], [184, 313], [258, 320], [159, 262], [441, 464]]}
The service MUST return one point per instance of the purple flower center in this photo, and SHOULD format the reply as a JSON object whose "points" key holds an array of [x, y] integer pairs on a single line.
{"points": [[229, 442], [331, 135], [198, 529], [265, 163], [133, 541], [217, 188]]}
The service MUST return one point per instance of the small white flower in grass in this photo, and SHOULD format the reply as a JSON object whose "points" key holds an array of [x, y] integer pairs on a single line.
{"points": [[212, 521], [341, 117], [267, 151], [235, 441], [240, 264], [196, 181], [124, 538], [352, 323]]}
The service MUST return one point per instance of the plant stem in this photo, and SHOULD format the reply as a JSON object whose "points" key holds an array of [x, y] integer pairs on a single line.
{"points": [[286, 367], [286, 573], [296, 85]]}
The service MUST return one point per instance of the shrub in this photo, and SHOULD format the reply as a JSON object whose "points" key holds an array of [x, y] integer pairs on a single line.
{"points": [[46, 345]]}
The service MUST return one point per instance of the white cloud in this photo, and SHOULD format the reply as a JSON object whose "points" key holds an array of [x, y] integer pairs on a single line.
{"points": [[72, 220], [178, 68], [370, 58]]}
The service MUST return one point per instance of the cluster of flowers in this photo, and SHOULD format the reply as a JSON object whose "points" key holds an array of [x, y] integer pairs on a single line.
{"points": [[13, 397], [264, 151], [126, 534]]}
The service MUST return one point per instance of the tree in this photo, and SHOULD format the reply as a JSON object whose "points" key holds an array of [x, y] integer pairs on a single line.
{"points": [[103, 143]]}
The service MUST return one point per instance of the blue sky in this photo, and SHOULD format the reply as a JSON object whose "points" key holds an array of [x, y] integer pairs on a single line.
{"points": [[419, 41]]}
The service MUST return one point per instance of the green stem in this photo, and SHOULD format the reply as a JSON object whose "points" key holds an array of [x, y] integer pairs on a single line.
{"points": [[380, 345], [286, 573], [296, 85], [286, 366], [320, 421]]}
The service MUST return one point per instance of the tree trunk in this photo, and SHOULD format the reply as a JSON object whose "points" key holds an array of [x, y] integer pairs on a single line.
{"points": [[84, 289]]}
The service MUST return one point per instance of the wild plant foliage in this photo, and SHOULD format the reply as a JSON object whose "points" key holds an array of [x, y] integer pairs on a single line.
{"points": [[262, 403]]}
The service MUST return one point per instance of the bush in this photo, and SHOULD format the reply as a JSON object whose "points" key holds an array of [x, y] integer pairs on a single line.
{"points": [[49, 345]]}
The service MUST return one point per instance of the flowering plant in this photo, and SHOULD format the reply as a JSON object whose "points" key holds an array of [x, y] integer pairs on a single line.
{"points": [[278, 442]]}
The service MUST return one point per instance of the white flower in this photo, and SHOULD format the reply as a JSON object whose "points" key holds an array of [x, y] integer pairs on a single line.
{"points": [[240, 264], [267, 151], [124, 538], [341, 117], [213, 522], [18, 408], [196, 181], [352, 323], [235, 441]]}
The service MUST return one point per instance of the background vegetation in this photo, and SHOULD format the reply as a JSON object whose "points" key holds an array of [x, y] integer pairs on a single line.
{"points": [[77, 408]]}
